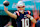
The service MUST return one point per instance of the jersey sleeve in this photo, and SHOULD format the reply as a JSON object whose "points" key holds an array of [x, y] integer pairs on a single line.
{"points": [[29, 12], [16, 14]]}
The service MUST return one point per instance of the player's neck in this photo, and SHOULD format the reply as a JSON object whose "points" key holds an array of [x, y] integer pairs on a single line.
{"points": [[22, 12]]}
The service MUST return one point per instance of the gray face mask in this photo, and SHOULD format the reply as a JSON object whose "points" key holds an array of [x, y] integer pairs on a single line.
{"points": [[21, 10]]}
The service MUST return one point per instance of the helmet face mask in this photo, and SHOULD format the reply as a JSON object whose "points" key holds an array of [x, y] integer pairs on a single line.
{"points": [[20, 8]]}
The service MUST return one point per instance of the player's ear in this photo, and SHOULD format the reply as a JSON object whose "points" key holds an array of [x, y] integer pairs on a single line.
{"points": [[24, 7]]}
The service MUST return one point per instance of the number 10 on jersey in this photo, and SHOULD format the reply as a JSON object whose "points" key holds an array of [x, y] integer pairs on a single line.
{"points": [[25, 22]]}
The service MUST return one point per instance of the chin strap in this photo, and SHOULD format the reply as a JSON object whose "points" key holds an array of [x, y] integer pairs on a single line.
{"points": [[21, 10]]}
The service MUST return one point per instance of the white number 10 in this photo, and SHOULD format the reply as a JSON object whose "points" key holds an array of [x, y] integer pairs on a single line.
{"points": [[25, 22]]}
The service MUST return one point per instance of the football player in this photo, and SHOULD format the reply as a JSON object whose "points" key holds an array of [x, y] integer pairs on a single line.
{"points": [[23, 18]]}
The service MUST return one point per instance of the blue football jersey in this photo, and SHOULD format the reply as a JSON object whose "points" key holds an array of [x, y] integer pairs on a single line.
{"points": [[22, 19]]}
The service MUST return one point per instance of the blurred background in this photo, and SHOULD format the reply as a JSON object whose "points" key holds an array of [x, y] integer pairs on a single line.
{"points": [[32, 5]]}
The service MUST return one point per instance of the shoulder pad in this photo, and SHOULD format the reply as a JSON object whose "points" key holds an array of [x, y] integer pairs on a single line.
{"points": [[29, 12], [18, 13]]}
